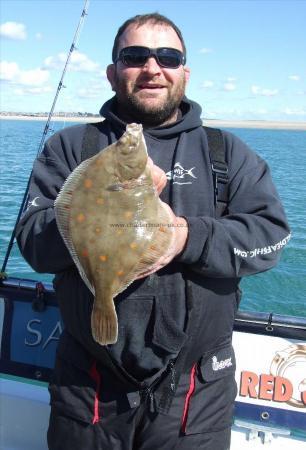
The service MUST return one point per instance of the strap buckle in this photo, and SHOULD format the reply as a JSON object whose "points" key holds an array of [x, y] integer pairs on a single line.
{"points": [[220, 175], [220, 170]]}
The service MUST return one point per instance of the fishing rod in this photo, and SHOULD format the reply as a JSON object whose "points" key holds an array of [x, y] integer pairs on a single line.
{"points": [[45, 132]]}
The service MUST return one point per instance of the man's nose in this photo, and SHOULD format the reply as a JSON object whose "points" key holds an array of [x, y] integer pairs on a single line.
{"points": [[152, 66]]}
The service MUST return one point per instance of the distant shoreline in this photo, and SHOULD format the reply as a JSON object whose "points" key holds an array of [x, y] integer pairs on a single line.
{"points": [[264, 124]]}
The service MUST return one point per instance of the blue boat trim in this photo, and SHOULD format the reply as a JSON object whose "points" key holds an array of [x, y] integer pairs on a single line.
{"points": [[23, 380], [36, 362], [293, 420]]}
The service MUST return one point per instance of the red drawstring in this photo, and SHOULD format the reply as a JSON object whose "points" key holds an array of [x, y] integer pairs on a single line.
{"points": [[97, 378], [188, 397]]}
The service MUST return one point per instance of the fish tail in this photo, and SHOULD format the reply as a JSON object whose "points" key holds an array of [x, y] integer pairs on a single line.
{"points": [[104, 324]]}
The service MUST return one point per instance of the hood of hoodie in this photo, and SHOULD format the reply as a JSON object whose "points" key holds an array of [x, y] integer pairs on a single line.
{"points": [[190, 119]]}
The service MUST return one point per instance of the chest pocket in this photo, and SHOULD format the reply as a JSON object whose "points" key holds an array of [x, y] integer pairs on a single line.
{"points": [[169, 323], [148, 333]]}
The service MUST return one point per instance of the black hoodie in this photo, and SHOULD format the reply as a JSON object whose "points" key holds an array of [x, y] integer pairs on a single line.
{"points": [[152, 312]]}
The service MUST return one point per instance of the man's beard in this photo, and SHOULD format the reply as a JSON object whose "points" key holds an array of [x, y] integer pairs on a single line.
{"points": [[132, 108]]}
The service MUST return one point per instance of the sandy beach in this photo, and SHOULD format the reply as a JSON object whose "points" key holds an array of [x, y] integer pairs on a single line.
{"points": [[264, 124]]}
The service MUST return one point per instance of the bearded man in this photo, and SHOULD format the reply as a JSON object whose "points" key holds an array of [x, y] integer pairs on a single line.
{"points": [[168, 382]]}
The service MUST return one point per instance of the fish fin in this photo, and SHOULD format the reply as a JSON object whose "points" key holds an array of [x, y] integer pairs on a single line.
{"points": [[62, 215], [104, 324]]}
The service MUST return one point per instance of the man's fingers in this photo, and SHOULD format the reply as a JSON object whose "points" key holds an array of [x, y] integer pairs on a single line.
{"points": [[161, 180], [162, 262], [158, 175]]}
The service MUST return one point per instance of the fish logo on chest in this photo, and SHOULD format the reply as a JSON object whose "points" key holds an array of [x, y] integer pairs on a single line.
{"points": [[179, 175]]}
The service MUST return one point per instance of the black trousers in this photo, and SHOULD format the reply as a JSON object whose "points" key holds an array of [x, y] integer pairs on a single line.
{"points": [[90, 410], [134, 430]]}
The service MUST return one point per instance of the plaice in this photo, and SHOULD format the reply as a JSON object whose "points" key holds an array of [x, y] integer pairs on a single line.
{"points": [[113, 223]]}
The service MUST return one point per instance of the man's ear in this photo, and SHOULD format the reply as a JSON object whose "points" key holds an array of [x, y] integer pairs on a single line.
{"points": [[187, 74], [110, 72]]}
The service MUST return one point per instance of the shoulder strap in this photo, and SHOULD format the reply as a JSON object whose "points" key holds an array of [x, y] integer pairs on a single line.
{"points": [[219, 169], [91, 144]]}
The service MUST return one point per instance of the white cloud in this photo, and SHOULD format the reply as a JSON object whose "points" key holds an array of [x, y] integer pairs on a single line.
{"points": [[262, 111], [231, 79], [294, 112], [229, 87], [34, 77], [79, 62], [207, 84], [257, 90], [206, 50], [210, 115], [10, 71], [294, 77], [94, 90], [229, 113], [269, 92], [13, 30], [91, 92], [33, 90], [102, 73], [38, 36]]}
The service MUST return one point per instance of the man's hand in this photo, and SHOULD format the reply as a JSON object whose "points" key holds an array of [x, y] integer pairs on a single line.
{"points": [[179, 240], [158, 175], [179, 225]]}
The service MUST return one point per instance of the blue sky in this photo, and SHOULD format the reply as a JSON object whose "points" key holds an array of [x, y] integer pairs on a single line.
{"points": [[247, 57]]}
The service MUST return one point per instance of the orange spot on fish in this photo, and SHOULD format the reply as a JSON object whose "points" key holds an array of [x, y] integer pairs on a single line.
{"points": [[128, 214], [80, 218], [85, 253], [87, 183], [162, 229], [120, 273], [103, 258], [67, 207], [153, 247], [100, 201], [98, 230], [133, 245]]}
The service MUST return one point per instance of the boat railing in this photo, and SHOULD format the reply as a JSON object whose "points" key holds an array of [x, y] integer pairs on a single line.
{"points": [[258, 322]]}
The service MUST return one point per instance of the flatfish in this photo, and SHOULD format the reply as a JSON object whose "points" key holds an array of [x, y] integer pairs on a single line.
{"points": [[113, 223]]}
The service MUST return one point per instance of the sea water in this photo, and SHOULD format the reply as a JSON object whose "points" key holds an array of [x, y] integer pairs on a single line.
{"points": [[281, 290]]}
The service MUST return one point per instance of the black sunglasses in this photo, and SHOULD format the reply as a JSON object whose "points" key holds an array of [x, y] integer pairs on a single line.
{"points": [[137, 56]]}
